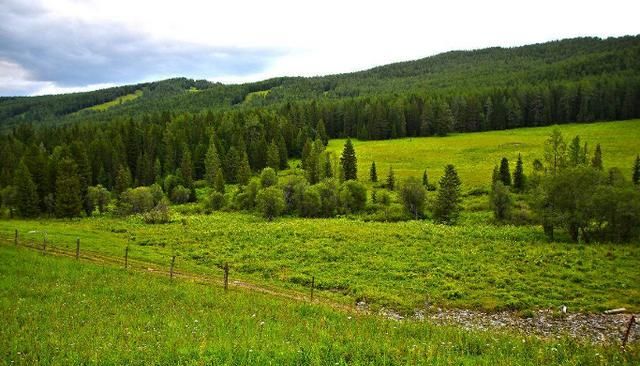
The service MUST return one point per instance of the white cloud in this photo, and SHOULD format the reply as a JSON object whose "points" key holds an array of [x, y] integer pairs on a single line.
{"points": [[340, 36]]}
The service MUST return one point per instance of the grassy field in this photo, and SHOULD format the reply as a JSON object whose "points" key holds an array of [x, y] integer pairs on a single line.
{"points": [[404, 265], [475, 154], [63, 312], [115, 102]]}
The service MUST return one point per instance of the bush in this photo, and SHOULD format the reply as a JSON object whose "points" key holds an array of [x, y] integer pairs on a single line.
{"points": [[413, 195], [311, 204], [170, 182], [353, 196], [214, 202], [245, 198], [136, 200], [329, 202], [268, 178], [180, 194], [159, 214], [293, 190], [99, 197], [270, 202], [157, 193]]}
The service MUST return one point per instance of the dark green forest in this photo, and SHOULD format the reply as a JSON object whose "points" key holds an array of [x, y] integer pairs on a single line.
{"points": [[183, 131]]}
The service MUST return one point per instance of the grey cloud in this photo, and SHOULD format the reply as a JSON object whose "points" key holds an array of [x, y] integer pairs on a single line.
{"points": [[74, 53]]}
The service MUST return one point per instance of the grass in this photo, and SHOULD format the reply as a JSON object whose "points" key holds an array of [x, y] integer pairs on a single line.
{"points": [[399, 265], [261, 94], [475, 154], [61, 312], [115, 102]]}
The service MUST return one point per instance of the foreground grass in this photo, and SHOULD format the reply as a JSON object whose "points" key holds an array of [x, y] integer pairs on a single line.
{"points": [[59, 311], [404, 265], [475, 154]]}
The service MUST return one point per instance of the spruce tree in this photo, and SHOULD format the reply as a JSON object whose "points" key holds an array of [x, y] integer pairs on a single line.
{"points": [[636, 171], [505, 173], [26, 199], [495, 177], [68, 190], [212, 164], [186, 169], [596, 162], [348, 161], [243, 174], [123, 179], [283, 152], [273, 156], [425, 179], [321, 132], [518, 176], [373, 174], [447, 205], [306, 151], [327, 169], [575, 152], [500, 201], [391, 179]]}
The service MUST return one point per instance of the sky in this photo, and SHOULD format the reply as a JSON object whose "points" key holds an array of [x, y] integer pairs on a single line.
{"points": [[58, 46]]}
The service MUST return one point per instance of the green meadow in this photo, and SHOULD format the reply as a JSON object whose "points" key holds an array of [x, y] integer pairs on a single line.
{"points": [[67, 312], [475, 154], [115, 102], [403, 266]]}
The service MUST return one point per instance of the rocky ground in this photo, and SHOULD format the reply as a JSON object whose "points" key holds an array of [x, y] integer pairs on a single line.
{"points": [[597, 328]]}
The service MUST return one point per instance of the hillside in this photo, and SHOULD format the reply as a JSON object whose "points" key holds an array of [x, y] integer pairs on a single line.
{"points": [[570, 61]]}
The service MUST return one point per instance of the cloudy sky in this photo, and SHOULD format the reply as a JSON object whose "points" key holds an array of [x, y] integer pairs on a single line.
{"points": [[56, 46]]}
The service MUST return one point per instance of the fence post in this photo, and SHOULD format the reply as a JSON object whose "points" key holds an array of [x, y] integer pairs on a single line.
{"points": [[173, 261], [77, 248], [226, 276], [16, 238], [313, 283], [126, 257], [628, 331]]}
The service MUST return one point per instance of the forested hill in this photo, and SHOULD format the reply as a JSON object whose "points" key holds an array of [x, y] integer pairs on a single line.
{"points": [[530, 82]]}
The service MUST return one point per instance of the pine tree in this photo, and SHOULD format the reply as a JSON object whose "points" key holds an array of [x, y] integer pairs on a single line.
{"points": [[243, 174], [273, 156], [212, 164], [348, 161], [391, 179], [373, 174], [68, 190], [505, 173], [636, 171], [425, 179], [327, 169], [596, 162], [26, 192], [518, 176], [447, 205]]}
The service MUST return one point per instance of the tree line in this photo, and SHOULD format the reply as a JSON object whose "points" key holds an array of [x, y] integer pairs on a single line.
{"points": [[570, 189]]}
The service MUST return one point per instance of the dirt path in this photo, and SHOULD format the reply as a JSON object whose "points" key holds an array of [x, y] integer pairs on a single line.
{"points": [[596, 328]]}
